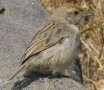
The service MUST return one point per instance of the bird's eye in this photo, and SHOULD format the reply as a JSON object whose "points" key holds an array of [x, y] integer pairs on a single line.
{"points": [[76, 12]]}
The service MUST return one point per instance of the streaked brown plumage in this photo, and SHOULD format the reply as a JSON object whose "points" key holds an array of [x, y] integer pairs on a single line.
{"points": [[54, 47]]}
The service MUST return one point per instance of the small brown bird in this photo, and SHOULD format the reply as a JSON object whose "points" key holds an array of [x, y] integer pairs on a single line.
{"points": [[54, 47]]}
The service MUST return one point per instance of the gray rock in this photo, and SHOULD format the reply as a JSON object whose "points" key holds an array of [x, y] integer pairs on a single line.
{"points": [[18, 23]]}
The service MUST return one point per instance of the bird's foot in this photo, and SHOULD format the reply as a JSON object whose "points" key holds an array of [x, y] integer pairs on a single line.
{"points": [[58, 75]]}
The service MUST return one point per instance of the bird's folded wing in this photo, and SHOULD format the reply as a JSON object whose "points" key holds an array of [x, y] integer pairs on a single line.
{"points": [[48, 36]]}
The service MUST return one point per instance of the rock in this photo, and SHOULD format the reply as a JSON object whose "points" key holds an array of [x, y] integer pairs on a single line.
{"points": [[18, 22]]}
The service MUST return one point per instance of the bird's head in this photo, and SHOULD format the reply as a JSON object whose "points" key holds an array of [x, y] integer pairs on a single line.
{"points": [[73, 14]]}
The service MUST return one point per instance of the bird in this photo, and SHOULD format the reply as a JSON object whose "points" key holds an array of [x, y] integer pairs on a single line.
{"points": [[55, 45]]}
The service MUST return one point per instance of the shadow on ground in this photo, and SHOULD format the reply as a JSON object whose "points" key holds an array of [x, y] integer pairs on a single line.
{"points": [[28, 79]]}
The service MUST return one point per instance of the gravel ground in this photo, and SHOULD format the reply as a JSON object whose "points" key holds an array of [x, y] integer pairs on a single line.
{"points": [[19, 20]]}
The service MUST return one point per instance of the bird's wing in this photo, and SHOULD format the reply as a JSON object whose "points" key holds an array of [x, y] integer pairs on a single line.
{"points": [[52, 33]]}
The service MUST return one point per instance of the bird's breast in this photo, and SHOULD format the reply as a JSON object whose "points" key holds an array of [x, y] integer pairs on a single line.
{"points": [[62, 53], [68, 49]]}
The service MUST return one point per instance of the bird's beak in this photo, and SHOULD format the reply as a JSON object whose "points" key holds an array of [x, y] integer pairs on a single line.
{"points": [[86, 14]]}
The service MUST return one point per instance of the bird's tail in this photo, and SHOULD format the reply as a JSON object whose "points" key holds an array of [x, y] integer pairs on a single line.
{"points": [[19, 71]]}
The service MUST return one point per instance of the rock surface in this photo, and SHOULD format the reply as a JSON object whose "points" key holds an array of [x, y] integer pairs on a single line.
{"points": [[19, 21]]}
